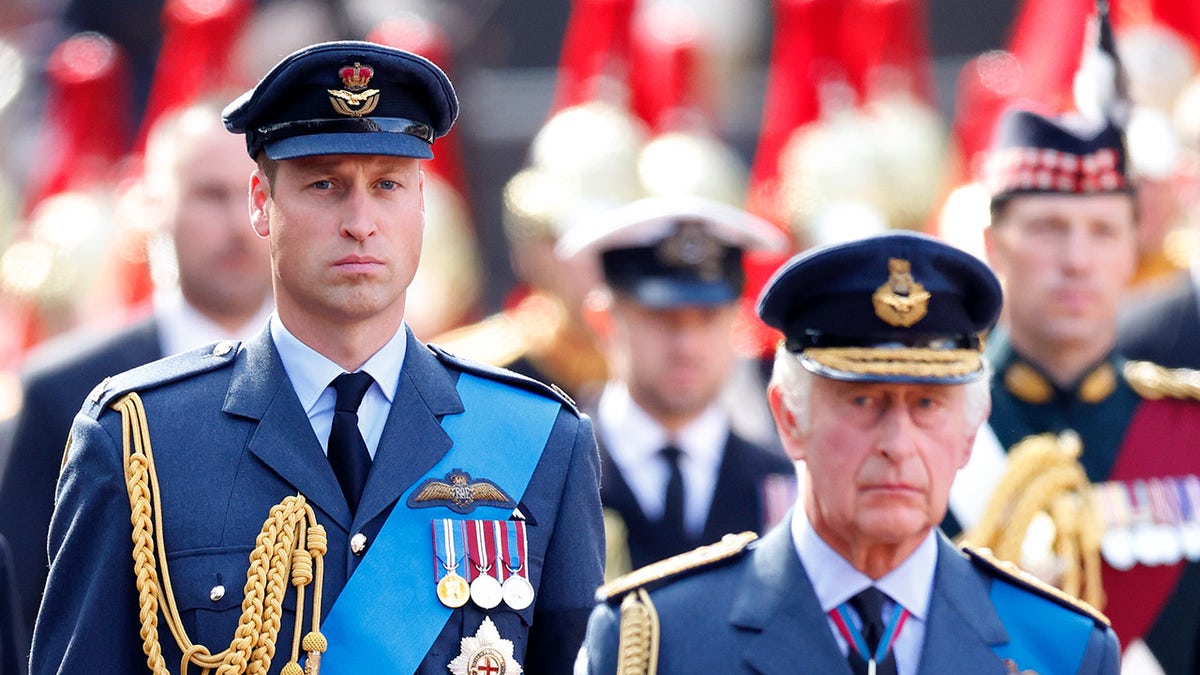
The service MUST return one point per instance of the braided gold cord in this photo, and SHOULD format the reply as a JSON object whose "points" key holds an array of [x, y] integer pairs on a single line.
{"points": [[1044, 476], [912, 361], [637, 646], [285, 549], [1153, 381]]}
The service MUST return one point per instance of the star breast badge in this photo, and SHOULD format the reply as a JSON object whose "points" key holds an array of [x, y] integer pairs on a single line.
{"points": [[485, 654]]}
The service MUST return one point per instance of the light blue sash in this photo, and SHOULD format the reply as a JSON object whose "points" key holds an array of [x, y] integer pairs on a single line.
{"points": [[388, 615], [1044, 637]]}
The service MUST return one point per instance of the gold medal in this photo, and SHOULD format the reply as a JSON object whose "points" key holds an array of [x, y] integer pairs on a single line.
{"points": [[453, 590]]}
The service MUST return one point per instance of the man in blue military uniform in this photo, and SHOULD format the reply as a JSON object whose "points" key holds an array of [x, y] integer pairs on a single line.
{"points": [[675, 474], [877, 392], [432, 515], [1063, 240]]}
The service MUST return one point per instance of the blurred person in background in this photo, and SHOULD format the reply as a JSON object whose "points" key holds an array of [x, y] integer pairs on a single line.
{"points": [[214, 282]]}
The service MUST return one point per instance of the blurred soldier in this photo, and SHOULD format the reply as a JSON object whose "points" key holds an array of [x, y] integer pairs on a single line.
{"points": [[878, 391], [443, 514], [1063, 239], [194, 201], [675, 474]]}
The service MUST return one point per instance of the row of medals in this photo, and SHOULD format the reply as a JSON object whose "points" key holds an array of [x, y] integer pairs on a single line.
{"points": [[485, 591], [1154, 521]]}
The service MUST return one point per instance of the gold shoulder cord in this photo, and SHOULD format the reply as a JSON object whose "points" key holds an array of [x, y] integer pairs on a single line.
{"points": [[290, 541], [1044, 476], [637, 646]]}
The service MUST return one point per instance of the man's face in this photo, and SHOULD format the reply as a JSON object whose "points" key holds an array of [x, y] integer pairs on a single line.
{"points": [[880, 458], [223, 266], [675, 361], [345, 235], [1065, 261]]}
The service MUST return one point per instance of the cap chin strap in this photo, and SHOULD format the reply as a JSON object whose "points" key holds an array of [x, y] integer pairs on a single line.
{"points": [[290, 542]]}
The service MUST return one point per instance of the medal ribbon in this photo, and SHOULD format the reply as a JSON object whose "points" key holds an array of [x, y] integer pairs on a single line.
{"points": [[444, 534], [500, 543], [518, 549], [483, 548], [854, 637], [361, 624]]}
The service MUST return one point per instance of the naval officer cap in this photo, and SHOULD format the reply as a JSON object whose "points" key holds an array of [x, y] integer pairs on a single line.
{"points": [[896, 307], [346, 97], [673, 251]]}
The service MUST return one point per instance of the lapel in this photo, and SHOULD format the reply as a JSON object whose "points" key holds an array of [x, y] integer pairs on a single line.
{"points": [[962, 625], [260, 390], [777, 600], [413, 439]]}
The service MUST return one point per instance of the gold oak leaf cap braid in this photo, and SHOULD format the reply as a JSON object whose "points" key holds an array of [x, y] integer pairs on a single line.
{"points": [[290, 542]]}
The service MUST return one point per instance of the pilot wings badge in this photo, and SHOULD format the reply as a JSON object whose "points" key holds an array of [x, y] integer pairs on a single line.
{"points": [[459, 493]]}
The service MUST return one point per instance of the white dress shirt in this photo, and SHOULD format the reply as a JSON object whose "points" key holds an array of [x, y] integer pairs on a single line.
{"points": [[312, 373], [633, 439], [836, 581]]}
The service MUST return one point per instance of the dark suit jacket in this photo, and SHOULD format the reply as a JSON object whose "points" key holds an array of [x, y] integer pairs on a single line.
{"points": [[230, 441], [1165, 329], [760, 614], [12, 651], [58, 377], [737, 503]]}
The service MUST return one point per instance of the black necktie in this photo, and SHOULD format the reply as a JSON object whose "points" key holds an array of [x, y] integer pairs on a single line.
{"points": [[347, 450], [869, 605], [673, 525]]}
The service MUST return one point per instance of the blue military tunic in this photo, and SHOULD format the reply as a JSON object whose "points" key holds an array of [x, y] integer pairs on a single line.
{"points": [[230, 441], [755, 611]]}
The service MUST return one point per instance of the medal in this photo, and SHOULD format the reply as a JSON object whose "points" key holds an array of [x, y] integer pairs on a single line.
{"points": [[1166, 512], [518, 592], [1117, 544], [452, 589], [485, 588]]}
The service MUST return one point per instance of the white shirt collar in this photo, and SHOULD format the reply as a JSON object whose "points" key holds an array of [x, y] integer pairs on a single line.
{"points": [[182, 327], [835, 580], [311, 372]]}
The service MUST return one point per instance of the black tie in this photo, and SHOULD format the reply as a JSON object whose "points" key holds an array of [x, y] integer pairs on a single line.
{"points": [[347, 450], [673, 525], [869, 605]]}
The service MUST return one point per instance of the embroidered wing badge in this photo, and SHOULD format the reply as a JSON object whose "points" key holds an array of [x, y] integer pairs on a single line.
{"points": [[459, 493]]}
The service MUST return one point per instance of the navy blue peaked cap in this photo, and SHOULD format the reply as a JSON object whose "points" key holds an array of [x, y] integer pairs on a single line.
{"points": [[1068, 154], [897, 307], [346, 98]]}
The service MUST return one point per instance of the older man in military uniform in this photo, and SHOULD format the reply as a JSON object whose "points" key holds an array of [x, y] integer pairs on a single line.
{"points": [[332, 485], [675, 474], [878, 389], [1063, 240]]}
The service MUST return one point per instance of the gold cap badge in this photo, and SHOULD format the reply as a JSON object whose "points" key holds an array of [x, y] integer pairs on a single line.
{"points": [[355, 100], [901, 301]]}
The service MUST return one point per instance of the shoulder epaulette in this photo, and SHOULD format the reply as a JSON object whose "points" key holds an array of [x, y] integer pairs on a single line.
{"points": [[730, 547], [497, 340], [1153, 381], [496, 373], [1013, 574], [162, 371]]}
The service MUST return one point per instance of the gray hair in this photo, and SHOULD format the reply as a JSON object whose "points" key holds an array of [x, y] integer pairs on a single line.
{"points": [[795, 384]]}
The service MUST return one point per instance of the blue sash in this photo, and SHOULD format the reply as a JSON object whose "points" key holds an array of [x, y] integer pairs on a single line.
{"points": [[388, 615], [1043, 637]]}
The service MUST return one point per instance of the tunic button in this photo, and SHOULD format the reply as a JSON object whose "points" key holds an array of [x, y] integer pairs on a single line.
{"points": [[222, 348], [358, 544], [216, 593]]}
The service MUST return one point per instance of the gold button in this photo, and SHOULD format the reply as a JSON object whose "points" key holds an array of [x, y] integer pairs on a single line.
{"points": [[358, 544], [216, 593]]}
